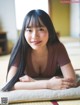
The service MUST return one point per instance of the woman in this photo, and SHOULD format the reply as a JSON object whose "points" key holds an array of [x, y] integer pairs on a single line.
{"points": [[37, 56]]}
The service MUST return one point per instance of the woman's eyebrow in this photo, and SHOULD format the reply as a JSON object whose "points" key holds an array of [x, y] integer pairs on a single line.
{"points": [[35, 27], [28, 27]]}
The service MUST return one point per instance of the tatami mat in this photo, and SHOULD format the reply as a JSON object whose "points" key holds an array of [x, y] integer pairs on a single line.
{"points": [[3, 67], [35, 103], [69, 102]]}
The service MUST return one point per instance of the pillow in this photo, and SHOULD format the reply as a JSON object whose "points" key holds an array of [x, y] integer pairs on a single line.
{"points": [[41, 94]]}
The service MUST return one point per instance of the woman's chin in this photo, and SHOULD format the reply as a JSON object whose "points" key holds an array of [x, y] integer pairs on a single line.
{"points": [[35, 47]]}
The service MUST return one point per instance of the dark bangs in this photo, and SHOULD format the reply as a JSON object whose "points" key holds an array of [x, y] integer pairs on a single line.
{"points": [[33, 21]]}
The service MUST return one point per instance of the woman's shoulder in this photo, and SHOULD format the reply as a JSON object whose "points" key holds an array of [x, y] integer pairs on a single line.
{"points": [[58, 45]]}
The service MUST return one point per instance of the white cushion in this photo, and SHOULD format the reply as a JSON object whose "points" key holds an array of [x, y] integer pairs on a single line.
{"points": [[42, 94]]}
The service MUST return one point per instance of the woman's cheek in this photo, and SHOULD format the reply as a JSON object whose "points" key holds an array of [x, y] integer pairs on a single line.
{"points": [[27, 37]]}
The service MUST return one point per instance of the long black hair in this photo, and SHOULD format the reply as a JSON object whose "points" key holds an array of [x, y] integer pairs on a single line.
{"points": [[20, 49]]}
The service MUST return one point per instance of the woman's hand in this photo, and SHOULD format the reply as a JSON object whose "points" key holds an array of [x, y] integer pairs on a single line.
{"points": [[26, 78], [60, 83], [53, 83]]}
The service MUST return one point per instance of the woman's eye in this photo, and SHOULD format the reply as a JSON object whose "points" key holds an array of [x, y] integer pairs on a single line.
{"points": [[29, 30], [41, 29]]}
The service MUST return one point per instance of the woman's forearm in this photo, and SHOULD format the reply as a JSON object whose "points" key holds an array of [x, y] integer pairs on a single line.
{"points": [[53, 83], [41, 84]]}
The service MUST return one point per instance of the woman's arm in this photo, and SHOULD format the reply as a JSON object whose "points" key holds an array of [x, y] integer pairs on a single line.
{"points": [[25, 82], [68, 72], [38, 84], [28, 83], [11, 73], [53, 83]]}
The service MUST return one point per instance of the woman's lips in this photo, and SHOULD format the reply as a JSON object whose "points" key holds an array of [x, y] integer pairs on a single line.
{"points": [[36, 42]]}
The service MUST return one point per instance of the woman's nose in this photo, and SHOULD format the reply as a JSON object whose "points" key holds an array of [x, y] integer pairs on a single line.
{"points": [[34, 34]]}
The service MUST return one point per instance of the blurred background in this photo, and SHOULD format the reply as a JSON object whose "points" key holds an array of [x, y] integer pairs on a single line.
{"points": [[65, 17]]}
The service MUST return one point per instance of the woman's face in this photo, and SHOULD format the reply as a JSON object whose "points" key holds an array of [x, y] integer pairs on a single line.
{"points": [[36, 37]]}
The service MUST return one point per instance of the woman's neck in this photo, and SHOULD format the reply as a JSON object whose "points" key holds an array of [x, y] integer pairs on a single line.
{"points": [[40, 52]]}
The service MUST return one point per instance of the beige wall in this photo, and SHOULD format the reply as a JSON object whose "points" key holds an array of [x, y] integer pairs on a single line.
{"points": [[60, 14], [8, 19]]}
